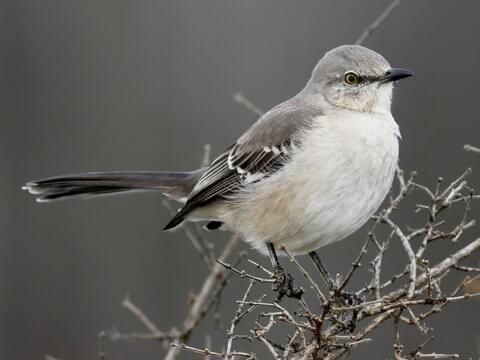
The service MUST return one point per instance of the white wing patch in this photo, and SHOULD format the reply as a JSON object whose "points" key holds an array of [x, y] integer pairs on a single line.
{"points": [[256, 165], [250, 178]]}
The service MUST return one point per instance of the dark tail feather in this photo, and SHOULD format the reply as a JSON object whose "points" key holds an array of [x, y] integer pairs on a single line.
{"points": [[177, 219], [174, 184]]}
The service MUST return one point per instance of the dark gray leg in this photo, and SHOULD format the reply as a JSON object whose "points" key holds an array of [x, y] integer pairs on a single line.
{"points": [[273, 255], [283, 284], [325, 274], [346, 298]]}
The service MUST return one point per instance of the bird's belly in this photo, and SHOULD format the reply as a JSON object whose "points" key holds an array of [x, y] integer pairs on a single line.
{"points": [[313, 203], [333, 213]]}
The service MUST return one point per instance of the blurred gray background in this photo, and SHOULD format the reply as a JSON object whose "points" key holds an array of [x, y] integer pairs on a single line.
{"points": [[121, 85]]}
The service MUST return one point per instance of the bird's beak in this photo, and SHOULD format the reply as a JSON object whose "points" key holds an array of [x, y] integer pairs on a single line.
{"points": [[395, 74]]}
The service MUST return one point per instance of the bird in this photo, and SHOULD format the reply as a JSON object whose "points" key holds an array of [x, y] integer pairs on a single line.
{"points": [[309, 172]]}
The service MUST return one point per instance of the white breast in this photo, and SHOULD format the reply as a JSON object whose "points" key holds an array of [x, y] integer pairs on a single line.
{"points": [[332, 186]]}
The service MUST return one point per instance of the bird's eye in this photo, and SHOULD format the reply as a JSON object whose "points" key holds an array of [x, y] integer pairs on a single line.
{"points": [[351, 78]]}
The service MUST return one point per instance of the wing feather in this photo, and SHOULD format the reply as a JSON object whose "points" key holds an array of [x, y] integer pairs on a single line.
{"points": [[263, 150]]}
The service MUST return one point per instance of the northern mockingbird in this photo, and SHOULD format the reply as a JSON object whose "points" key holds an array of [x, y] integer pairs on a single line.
{"points": [[309, 172]]}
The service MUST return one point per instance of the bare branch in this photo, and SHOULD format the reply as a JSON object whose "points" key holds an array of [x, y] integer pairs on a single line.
{"points": [[197, 310], [411, 256], [244, 274], [207, 352], [140, 315], [239, 98], [377, 22], [467, 147], [238, 316]]}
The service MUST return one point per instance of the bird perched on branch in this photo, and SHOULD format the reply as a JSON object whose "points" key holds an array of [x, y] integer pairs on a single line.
{"points": [[309, 172]]}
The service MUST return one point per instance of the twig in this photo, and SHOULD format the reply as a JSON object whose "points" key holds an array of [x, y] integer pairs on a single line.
{"points": [[356, 264], [260, 334], [195, 313], [243, 274], [466, 268], [239, 98], [260, 267], [377, 268], [207, 150], [206, 352], [140, 315], [467, 147], [436, 356], [437, 270], [115, 335], [378, 21], [238, 316], [411, 256]]}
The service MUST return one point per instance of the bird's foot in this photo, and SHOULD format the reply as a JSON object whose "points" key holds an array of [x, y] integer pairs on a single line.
{"points": [[348, 299], [284, 285]]}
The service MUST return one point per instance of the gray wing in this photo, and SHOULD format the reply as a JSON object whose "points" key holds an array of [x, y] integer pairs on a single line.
{"points": [[264, 149]]}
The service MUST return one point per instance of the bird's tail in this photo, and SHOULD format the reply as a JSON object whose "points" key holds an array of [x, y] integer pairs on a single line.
{"points": [[176, 185]]}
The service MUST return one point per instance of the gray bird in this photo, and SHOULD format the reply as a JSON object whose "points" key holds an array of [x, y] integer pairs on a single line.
{"points": [[309, 172]]}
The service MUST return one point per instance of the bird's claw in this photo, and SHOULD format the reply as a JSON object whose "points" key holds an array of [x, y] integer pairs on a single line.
{"points": [[348, 299], [284, 285]]}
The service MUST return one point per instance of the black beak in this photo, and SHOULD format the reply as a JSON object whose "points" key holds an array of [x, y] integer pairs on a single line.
{"points": [[395, 74]]}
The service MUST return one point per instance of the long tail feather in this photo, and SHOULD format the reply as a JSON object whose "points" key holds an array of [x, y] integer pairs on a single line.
{"points": [[176, 185]]}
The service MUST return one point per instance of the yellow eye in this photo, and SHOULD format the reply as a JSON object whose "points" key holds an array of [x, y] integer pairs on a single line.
{"points": [[351, 78]]}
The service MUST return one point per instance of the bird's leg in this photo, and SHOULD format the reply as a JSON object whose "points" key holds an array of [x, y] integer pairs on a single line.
{"points": [[323, 271], [284, 283], [347, 298], [272, 254]]}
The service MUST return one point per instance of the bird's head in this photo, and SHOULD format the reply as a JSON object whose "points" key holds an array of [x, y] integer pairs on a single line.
{"points": [[355, 78]]}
